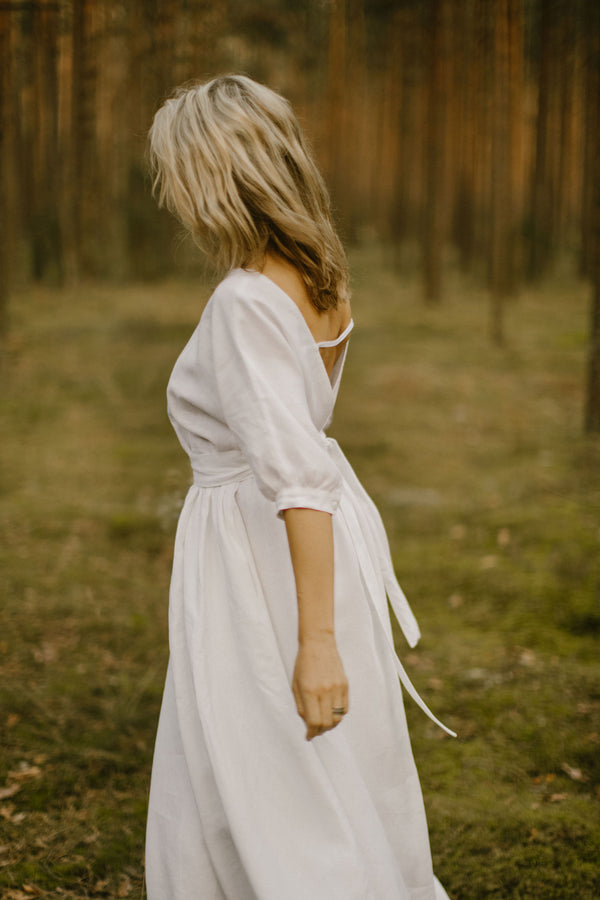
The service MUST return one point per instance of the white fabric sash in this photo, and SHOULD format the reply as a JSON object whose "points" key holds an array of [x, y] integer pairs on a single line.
{"points": [[216, 469]]}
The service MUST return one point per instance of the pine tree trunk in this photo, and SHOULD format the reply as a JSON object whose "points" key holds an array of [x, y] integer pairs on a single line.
{"points": [[77, 143], [5, 139], [113, 119], [567, 54], [24, 87], [517, 100], [336, 112], [66, 174], [589, 246], [592, 402], [435, 200], [356, 146], [541, 206], [500, 263], [465, 122], [46, 253]]}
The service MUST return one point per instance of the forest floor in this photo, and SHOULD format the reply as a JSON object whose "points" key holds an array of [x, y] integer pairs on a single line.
{"points": [[491, 495]]}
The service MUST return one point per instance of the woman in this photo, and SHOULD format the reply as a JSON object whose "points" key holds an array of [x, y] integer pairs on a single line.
{"points": [[260, 792]]}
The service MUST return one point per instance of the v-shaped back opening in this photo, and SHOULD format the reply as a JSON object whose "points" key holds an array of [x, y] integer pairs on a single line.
{"points": [[333, 372], [335, 375]]}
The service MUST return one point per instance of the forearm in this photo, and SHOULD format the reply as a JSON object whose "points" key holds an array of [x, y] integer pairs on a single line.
{"points": [[310, 536]]}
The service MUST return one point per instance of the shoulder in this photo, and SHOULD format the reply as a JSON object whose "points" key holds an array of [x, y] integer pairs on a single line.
{"points": [[239, 288], [246, 295]]}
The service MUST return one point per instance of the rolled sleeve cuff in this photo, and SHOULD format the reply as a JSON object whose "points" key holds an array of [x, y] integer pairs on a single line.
{"points": [[308, 498]]}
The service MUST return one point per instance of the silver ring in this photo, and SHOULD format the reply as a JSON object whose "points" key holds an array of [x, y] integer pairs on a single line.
{"points": [[339, 710]]}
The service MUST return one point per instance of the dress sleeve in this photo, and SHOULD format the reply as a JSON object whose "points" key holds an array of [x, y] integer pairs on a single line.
{"points": [[263, 394]]}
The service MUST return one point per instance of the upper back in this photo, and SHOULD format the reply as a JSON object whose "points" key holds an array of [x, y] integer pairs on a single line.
{"points": [[324, 325]]}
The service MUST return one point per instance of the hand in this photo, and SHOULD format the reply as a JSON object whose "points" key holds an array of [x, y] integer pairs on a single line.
{"points": [[319, 684]]}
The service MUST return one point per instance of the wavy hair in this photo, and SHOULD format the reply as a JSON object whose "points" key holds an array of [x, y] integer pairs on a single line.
{"points": [[229, 160]]}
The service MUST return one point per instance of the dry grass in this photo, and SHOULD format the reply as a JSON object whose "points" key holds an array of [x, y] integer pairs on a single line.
{"points": [[492, 499]]}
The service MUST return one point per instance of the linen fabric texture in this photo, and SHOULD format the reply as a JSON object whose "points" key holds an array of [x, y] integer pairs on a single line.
{"points": [[241, 806]]}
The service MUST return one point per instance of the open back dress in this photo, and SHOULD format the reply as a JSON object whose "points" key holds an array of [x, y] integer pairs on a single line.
{"points": [[241, 806]]}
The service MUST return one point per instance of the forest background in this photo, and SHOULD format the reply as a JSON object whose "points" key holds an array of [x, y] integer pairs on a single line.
{"points": [[461, 143]]}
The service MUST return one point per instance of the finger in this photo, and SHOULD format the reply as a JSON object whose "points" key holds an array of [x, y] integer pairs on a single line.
{"points": [[326, 706], [313, 733], [339, 704], [312, 716], [298, 699], [345, 704]]}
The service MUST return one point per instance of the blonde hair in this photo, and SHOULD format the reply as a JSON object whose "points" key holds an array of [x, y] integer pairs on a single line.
{"points": [[229, 160]]}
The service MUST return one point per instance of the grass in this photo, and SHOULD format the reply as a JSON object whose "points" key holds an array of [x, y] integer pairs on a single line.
{"points": [[491, 496]]}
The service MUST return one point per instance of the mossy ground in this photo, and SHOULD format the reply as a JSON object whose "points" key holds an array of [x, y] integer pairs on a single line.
{"points": [[491, 495]]}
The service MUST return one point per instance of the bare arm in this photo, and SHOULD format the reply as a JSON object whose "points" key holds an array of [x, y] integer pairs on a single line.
{"points": [[319, 685]]}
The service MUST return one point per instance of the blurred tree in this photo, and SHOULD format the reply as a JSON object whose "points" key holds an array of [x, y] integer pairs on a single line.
{"points": [[565, 108], [436, 186], [592, 404], [113, 139], [83, 182], [517, 101], [24, 132], [155, 63], [357, 144], [542, 205], [45, 244], [500, 261], [591, 90], [67, 172], [336, 98], [506, 72], [468, 60], [5, 141]]}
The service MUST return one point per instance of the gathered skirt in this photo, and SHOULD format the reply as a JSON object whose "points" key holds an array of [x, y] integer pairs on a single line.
{"points": [[241, 806]]}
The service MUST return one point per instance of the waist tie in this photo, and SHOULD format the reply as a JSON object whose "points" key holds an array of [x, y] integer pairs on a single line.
{"points": [[373, 583], [216, 469]]}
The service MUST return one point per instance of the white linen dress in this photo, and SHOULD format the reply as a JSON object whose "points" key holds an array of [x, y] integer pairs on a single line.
{"points": [[241, 806]]}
